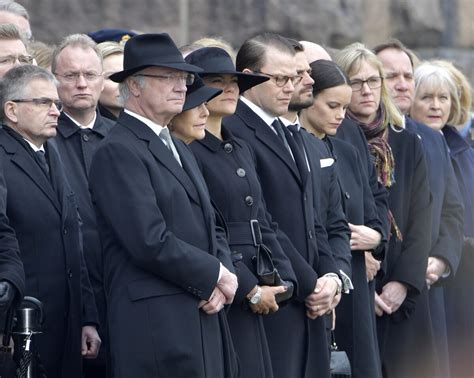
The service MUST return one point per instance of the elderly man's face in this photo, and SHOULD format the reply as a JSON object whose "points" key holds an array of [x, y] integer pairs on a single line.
{"points": [[79, 72], [12, 53], [163, 93], [36, 118]]}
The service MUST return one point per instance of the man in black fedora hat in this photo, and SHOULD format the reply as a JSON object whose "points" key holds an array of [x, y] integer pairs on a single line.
{"points": [[167, 269]]}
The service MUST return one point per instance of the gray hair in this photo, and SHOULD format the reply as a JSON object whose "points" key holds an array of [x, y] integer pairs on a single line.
{"points": [[76, 40], [13, 84], [124, 90], [10, 32], [18, 10], [109, 48]]}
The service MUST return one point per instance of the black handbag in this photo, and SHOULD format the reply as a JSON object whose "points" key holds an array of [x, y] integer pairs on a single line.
{"points": [[267, 274], [340, 365]]}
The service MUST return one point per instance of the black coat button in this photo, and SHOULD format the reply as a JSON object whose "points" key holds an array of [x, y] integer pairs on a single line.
{"points": [[310, 234], [347, 195], [228, 148], [85, 137], [241, 172], [65, 231], [69, 273], [249, 200]]}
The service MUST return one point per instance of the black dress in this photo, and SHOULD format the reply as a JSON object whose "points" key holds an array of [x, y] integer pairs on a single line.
{"points": [[229, 170]]}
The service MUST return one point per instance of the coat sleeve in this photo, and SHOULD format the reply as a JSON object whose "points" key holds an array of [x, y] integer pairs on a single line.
{"points": [[448, 246], [136, 220]]}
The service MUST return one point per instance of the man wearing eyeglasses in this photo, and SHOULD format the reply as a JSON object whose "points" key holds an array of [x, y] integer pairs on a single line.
{"points": [[296, 337], [77, 64], [42, 210], [167, 270], [12, 48]]}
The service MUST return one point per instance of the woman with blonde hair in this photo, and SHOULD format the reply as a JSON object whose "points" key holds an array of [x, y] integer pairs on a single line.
{"points": [[110, 102], [438, 102], [401, 301]]}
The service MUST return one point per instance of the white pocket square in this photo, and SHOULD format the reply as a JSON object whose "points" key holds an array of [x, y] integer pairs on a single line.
{"points": [[326, 162]]}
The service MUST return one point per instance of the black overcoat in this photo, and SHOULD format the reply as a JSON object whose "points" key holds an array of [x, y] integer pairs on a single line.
{"points": [[459, 289], [76, 147], [161, 257], [229, 170], [299, 350], [355, 320], [44, 215], [405, 337]]}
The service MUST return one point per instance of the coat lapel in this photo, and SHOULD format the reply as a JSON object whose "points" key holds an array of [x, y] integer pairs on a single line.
{"points": [[22, 159], [160, 152], [58, 177], [267, 136]]}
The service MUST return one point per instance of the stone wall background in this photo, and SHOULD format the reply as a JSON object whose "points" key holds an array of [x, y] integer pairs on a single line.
{"points": [[433, 28]]}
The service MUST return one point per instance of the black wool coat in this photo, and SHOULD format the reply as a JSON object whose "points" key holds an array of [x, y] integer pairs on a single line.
{"points": [[76, 148], [229, 170], [44, 215], [162, 255]]}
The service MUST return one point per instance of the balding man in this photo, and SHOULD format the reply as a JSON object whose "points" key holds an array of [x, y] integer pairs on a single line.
{"points": [[314, 52]]}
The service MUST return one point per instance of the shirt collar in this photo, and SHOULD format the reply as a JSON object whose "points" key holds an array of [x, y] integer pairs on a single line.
{"points": [[34, 147], [90, 125], [152, 125], [288, 123], [266, 117]]}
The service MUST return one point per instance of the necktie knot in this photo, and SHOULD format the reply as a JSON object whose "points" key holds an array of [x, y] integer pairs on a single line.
{"points": [[41, 158], [293, 128], [166, 138]]}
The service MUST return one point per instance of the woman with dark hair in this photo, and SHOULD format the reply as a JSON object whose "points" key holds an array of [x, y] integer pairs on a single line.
{"points": [[355, 318], [404, 324], [228, 167]]}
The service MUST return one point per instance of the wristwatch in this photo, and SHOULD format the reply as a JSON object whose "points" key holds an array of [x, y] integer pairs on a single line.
{"points": [[254, 299]]}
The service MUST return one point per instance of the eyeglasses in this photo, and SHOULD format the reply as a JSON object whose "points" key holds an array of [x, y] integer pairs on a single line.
{"points": [[281, 80], [43, 102], [185, 77], [11, 59], [373, 83], [72, 77]]}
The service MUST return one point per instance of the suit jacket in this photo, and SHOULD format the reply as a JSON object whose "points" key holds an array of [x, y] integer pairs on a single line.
{"points": [[290, 203], [161, 257], [44, 215], [76, 147], [328, 200]]}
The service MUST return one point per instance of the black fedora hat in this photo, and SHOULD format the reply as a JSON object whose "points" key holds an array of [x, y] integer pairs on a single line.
{"points": [[146, 50], [216, 61], [198, 93]]}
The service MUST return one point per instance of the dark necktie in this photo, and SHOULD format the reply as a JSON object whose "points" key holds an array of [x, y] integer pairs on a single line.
{"points": [[279, 129], [295, 140], [41, 159]]}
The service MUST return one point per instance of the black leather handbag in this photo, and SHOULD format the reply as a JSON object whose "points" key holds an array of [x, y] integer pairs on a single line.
{"points": [[340, 365], [267, 274]]}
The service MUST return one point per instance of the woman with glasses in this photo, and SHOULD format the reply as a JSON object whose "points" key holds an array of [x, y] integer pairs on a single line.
{"points": [[437, 103], [228, 167], [355, 319], [401, 302]]}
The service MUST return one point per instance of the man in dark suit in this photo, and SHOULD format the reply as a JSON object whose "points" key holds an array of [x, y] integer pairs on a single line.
{"points": [[77, 64], [43, 212], [447, 216], [296, 334], [166, 265]]}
